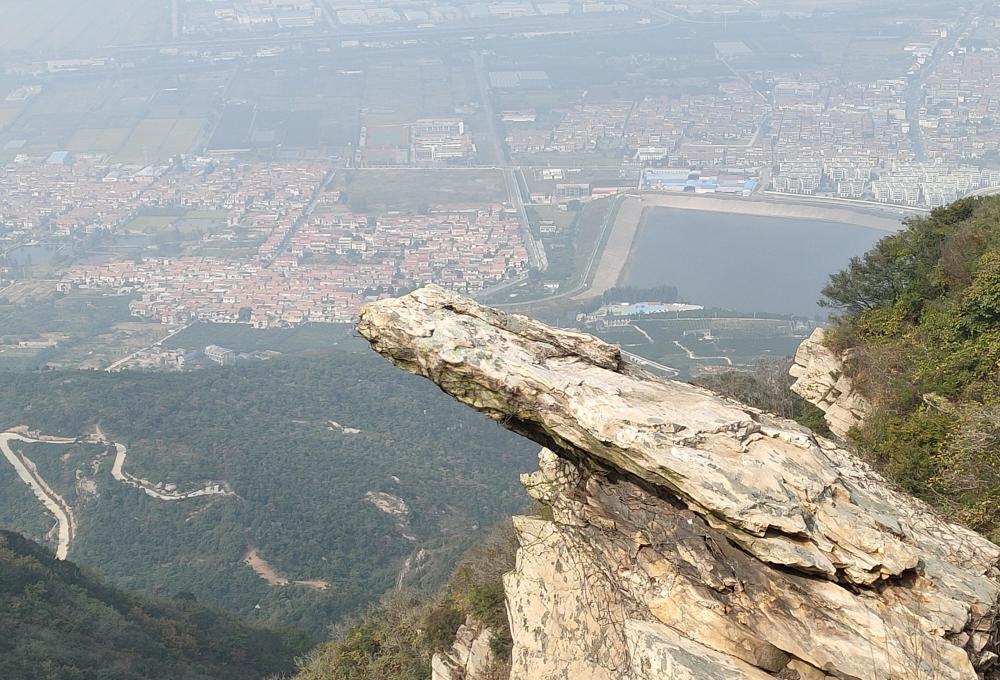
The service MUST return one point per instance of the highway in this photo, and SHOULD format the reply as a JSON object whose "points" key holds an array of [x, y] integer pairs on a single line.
{"points": [[536, 251], [723, 21], [334, 38]]}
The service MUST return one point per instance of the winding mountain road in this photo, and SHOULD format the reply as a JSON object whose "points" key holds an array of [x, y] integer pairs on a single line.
{"points": [[118, 472], [52, 501], [57, 505]]}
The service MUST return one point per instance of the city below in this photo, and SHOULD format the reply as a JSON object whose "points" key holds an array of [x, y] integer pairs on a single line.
{"points": [[217, 195]]}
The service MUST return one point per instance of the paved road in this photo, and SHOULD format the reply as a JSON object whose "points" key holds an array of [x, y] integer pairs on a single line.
{"points": [[306, 213], [375, 34], [536, 253], [914, 94], [643, 362], [988, 191], [692, 355], [585, 282]]}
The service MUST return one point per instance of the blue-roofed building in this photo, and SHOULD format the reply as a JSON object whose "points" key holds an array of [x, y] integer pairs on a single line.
{"points": [[58, 158]]}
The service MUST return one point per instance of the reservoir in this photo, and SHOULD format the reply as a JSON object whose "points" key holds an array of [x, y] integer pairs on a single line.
{"points": [[743, 262]]}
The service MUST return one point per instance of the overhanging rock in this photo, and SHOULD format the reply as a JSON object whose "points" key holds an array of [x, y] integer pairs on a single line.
{"points": [[690, 533]]}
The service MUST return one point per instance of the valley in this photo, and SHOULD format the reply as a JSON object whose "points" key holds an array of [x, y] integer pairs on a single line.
{"points": [[210, 456]]}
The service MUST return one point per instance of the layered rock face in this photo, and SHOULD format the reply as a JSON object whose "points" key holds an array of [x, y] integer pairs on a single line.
{"points": [[691, 536], [470, 657], [819, 379]]}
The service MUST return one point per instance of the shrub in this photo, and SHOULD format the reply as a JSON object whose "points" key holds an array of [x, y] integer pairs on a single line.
{"points": [[921, 316]]}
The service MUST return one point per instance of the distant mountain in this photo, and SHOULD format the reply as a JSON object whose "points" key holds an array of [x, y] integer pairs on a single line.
{"points": [[60, 622]]}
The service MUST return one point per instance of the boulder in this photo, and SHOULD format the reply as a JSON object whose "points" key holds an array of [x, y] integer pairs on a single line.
{"points": [[821, 380], [470, 657]]}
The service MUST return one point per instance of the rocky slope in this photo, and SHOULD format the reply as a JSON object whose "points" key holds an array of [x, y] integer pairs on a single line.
{"points": [[820, 379], [692, 537], [470, 658]]}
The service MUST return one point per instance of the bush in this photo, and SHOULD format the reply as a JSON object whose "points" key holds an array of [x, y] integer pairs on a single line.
{"points": [[768, 388], [921, 315], [397, 638]]}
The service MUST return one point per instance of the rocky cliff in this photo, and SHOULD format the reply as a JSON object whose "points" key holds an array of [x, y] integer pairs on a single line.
{"points": [[691, 536], [820, 379], [470, 657]]}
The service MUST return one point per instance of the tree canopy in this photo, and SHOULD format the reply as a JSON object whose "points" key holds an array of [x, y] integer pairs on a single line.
{"points": [[62, 623], [920, 314]]}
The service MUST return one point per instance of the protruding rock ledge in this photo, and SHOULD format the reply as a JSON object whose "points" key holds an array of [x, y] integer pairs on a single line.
{"points": [[685, 518], [820, 379]]}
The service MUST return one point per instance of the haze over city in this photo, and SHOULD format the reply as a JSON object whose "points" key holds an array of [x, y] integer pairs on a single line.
{"points": [[199, 197]]}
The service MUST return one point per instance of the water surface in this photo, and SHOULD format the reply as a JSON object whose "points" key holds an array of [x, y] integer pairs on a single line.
{"points": [[744, 262]]}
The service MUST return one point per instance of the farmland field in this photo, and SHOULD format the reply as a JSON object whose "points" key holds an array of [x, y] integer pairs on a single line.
{"points": [[97, 140], [159, 139], [419, 189], [73, 28]]}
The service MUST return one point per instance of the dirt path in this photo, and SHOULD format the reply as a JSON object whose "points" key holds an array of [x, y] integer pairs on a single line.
{"points": [[273, 577], [52, 501], [263, 568]]}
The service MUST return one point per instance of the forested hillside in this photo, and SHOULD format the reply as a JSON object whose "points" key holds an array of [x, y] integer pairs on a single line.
{"points": [[395, 639], [301, 447], [920, 316], [61, 623]]}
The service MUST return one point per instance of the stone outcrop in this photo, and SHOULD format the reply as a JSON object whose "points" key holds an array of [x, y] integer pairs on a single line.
{"points": [[820, 379], [470, 657], [691, 536]]}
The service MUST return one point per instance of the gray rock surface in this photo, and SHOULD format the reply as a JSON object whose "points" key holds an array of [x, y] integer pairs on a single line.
{"points": [[470, 657], [692, 536], [820, 379]]}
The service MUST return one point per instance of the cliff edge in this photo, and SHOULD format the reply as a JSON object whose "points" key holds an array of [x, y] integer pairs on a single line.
{"points": [[820, 379], [691, 536]]}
